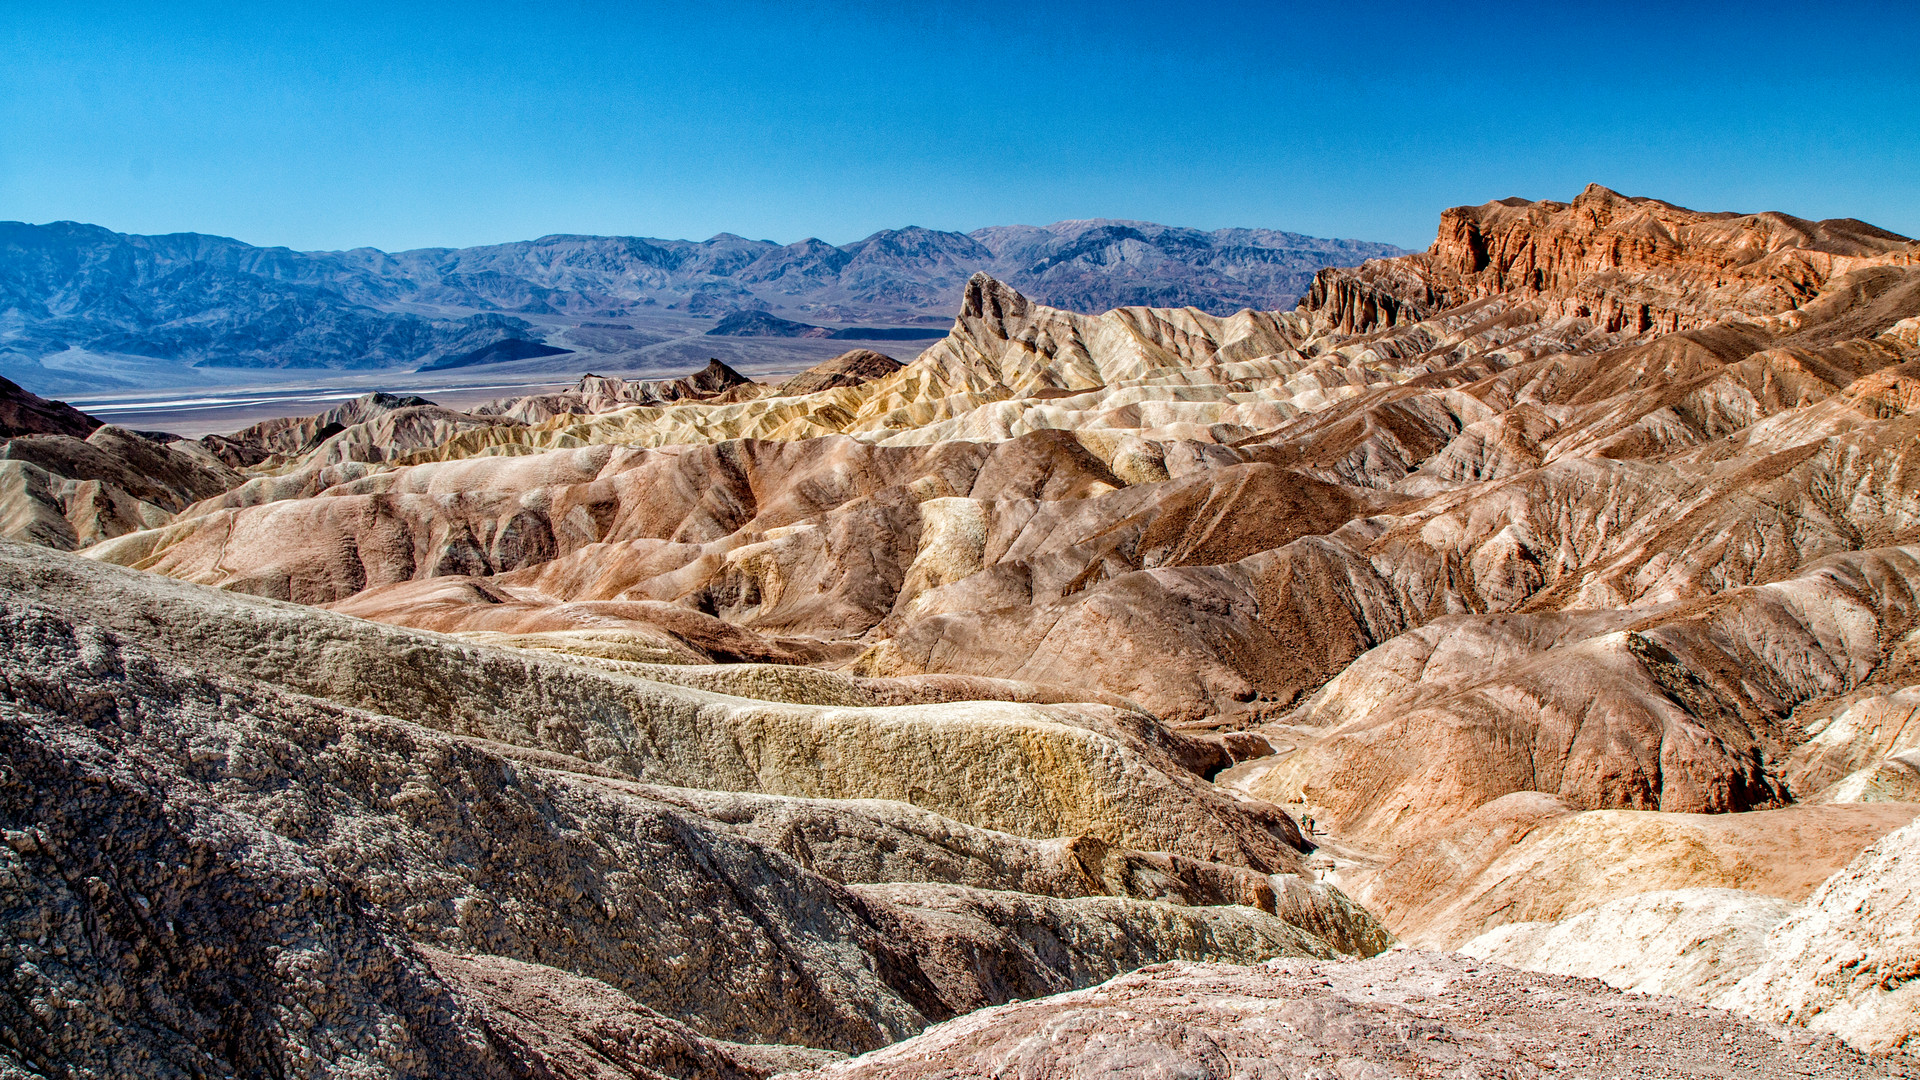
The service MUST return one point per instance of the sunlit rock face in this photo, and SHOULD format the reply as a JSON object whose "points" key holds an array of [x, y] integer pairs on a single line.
{"points": [[1550, 594]]}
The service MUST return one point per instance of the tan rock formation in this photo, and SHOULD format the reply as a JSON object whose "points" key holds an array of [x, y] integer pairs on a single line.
{"points": [[1676, 710], [1692, 943], [1844, 961], [1526, 858], [65, 492], [1839, 962], [602, 394], [373, 427]]}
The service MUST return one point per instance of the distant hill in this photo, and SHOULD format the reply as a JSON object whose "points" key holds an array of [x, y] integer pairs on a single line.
{"points": [[761, 324], [210, 301], [504, 351]]}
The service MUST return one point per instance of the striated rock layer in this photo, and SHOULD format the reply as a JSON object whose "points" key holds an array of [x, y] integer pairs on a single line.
{"points": [[386, 850]]}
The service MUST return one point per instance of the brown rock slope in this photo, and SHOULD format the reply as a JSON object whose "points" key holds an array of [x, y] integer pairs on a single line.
{"points": [[1682, 709], [599, 393], [66, 491], [25, 413], [372, 427], [68, 480], [1615, 262], [848, 369]]}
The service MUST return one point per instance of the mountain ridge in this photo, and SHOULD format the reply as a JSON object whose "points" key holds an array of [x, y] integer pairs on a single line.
{"points": [[212, 301]]}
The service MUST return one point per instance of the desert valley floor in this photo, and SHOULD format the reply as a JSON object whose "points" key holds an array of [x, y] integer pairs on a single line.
{"points": [[1506, 664]]}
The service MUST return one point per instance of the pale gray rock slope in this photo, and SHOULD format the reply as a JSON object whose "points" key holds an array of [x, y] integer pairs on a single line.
{"points": [[1843, 961], [1848, 959], [1693, 943], [244, 837]]}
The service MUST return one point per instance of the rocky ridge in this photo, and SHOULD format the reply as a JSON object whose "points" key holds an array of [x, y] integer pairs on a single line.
{"points": [[23, 413]]}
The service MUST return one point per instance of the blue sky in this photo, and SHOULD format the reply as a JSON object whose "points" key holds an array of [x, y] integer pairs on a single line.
{"points": [[404, 125]]}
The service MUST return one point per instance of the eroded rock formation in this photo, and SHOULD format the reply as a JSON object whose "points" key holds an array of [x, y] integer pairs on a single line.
{"points": [[1565, 575], [320, 808]]}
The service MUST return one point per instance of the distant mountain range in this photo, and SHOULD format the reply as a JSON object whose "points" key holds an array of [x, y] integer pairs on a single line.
{"points": [[209, 301]]}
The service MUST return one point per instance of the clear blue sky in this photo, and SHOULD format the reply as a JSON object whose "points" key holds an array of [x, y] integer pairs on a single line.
{"points": [[403, 125]]}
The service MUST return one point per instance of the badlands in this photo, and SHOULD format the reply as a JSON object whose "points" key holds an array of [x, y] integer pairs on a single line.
{"points": [[1505, 664]]}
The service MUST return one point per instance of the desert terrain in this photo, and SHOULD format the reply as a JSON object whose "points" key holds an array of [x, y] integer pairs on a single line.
{"points": [[1505, 662]]}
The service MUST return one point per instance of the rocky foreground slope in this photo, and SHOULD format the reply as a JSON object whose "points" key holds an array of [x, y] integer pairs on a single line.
{"points": [[1400, 1015], [244, 836], [1550, 594]]}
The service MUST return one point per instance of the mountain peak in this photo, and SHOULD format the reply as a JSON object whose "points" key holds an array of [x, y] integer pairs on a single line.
{"points": [[988, 297]]}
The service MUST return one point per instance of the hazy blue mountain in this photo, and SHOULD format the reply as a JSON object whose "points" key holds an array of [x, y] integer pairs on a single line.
{"points": [[213, 302], [1098, 265], [500, 352]]}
